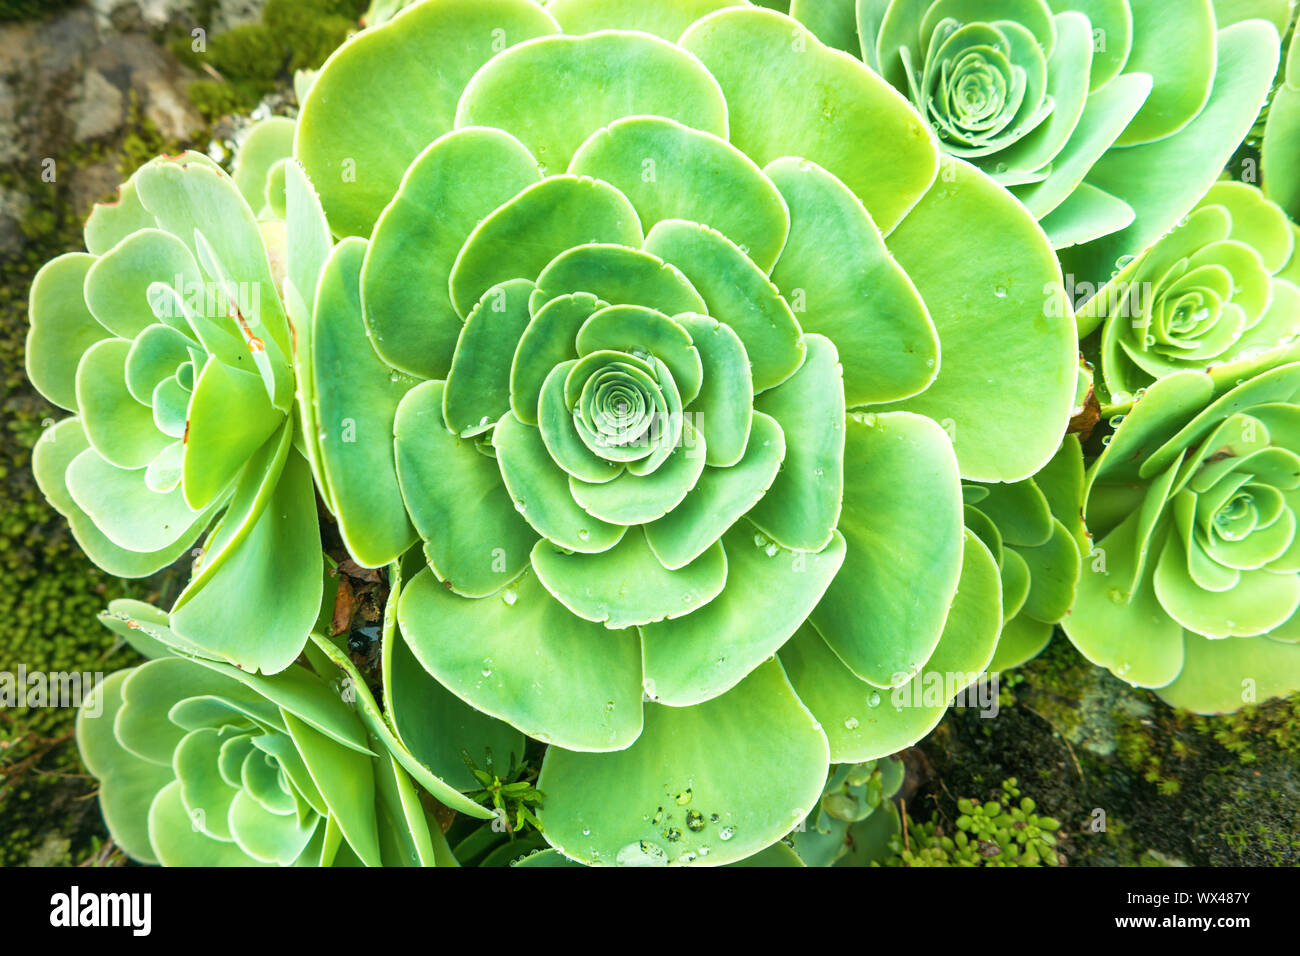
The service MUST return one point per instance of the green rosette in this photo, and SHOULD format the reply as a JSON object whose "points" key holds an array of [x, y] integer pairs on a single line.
{"points": [[1108, 119], [667, 386], [202, 764], [1217, 294], [1193, 580]]}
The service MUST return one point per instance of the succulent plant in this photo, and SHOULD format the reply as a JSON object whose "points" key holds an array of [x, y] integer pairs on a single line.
{"points": [[169, 341], [202, 764], [1082, 109], [1034, 530], [676, 374], [855, 820], [1218, 294], [258, 170], [1281, 141], [1194, 579], [1004, 831]]}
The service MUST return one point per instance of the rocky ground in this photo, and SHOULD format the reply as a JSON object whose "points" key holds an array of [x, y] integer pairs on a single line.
{"points": [[90, 90]]}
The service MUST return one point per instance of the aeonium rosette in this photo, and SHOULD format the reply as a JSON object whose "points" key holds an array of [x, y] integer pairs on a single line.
{"points": [[1217, 293], [169, 342], [1193, 581], [203, 764], [1108, 120], [664, 372]]}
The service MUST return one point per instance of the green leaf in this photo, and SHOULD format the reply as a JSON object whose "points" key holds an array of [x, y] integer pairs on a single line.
{"points": [[617, 275], [598, 78], [230, 417], [540, 491], [478, 385], [257, 609], [1164, 179], [719, 498], [356, 403], [127, 513], [633, 328], [347, 783], [722, 410], [769, 594], [307, 241], [802, 507], [704, 785], [862, 130], [391, 91], [201, 206], [127, 783], [449, 189], [117, 285], [1219, 676], [62, 329], [902, 520], [666, 20], [437, 725], [863, 723], [58, 446], [670, 171], [179, 843], [548, 341], [1006, 384], [1109, 607], [523, 658], [627, 585], [848, 287], [268, 142], [117, 426], [473, 537], [521, 237], [1182, 83], [736, 292]]}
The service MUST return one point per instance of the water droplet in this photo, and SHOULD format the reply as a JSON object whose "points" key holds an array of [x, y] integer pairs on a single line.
{"points": [[874, 699], [643, 853], [1000, 292], [672, 834], [684, 797], [510, 596], [726, 833], [851, 724], [1117, 596], [694, 821], [771, 550], [583, 534], [657, 818], [586, 831], [1123, 261]]}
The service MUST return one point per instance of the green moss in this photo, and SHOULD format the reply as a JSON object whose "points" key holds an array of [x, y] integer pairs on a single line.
{"points": [[31, 9], [255, 59], [51, 592], [1133, 780]]}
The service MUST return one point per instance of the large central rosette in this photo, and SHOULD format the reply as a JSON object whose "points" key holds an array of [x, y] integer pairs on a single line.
{"points": [[666, 371]]}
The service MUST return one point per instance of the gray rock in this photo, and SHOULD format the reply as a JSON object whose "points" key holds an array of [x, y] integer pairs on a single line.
{"points": [[98, 110]]}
